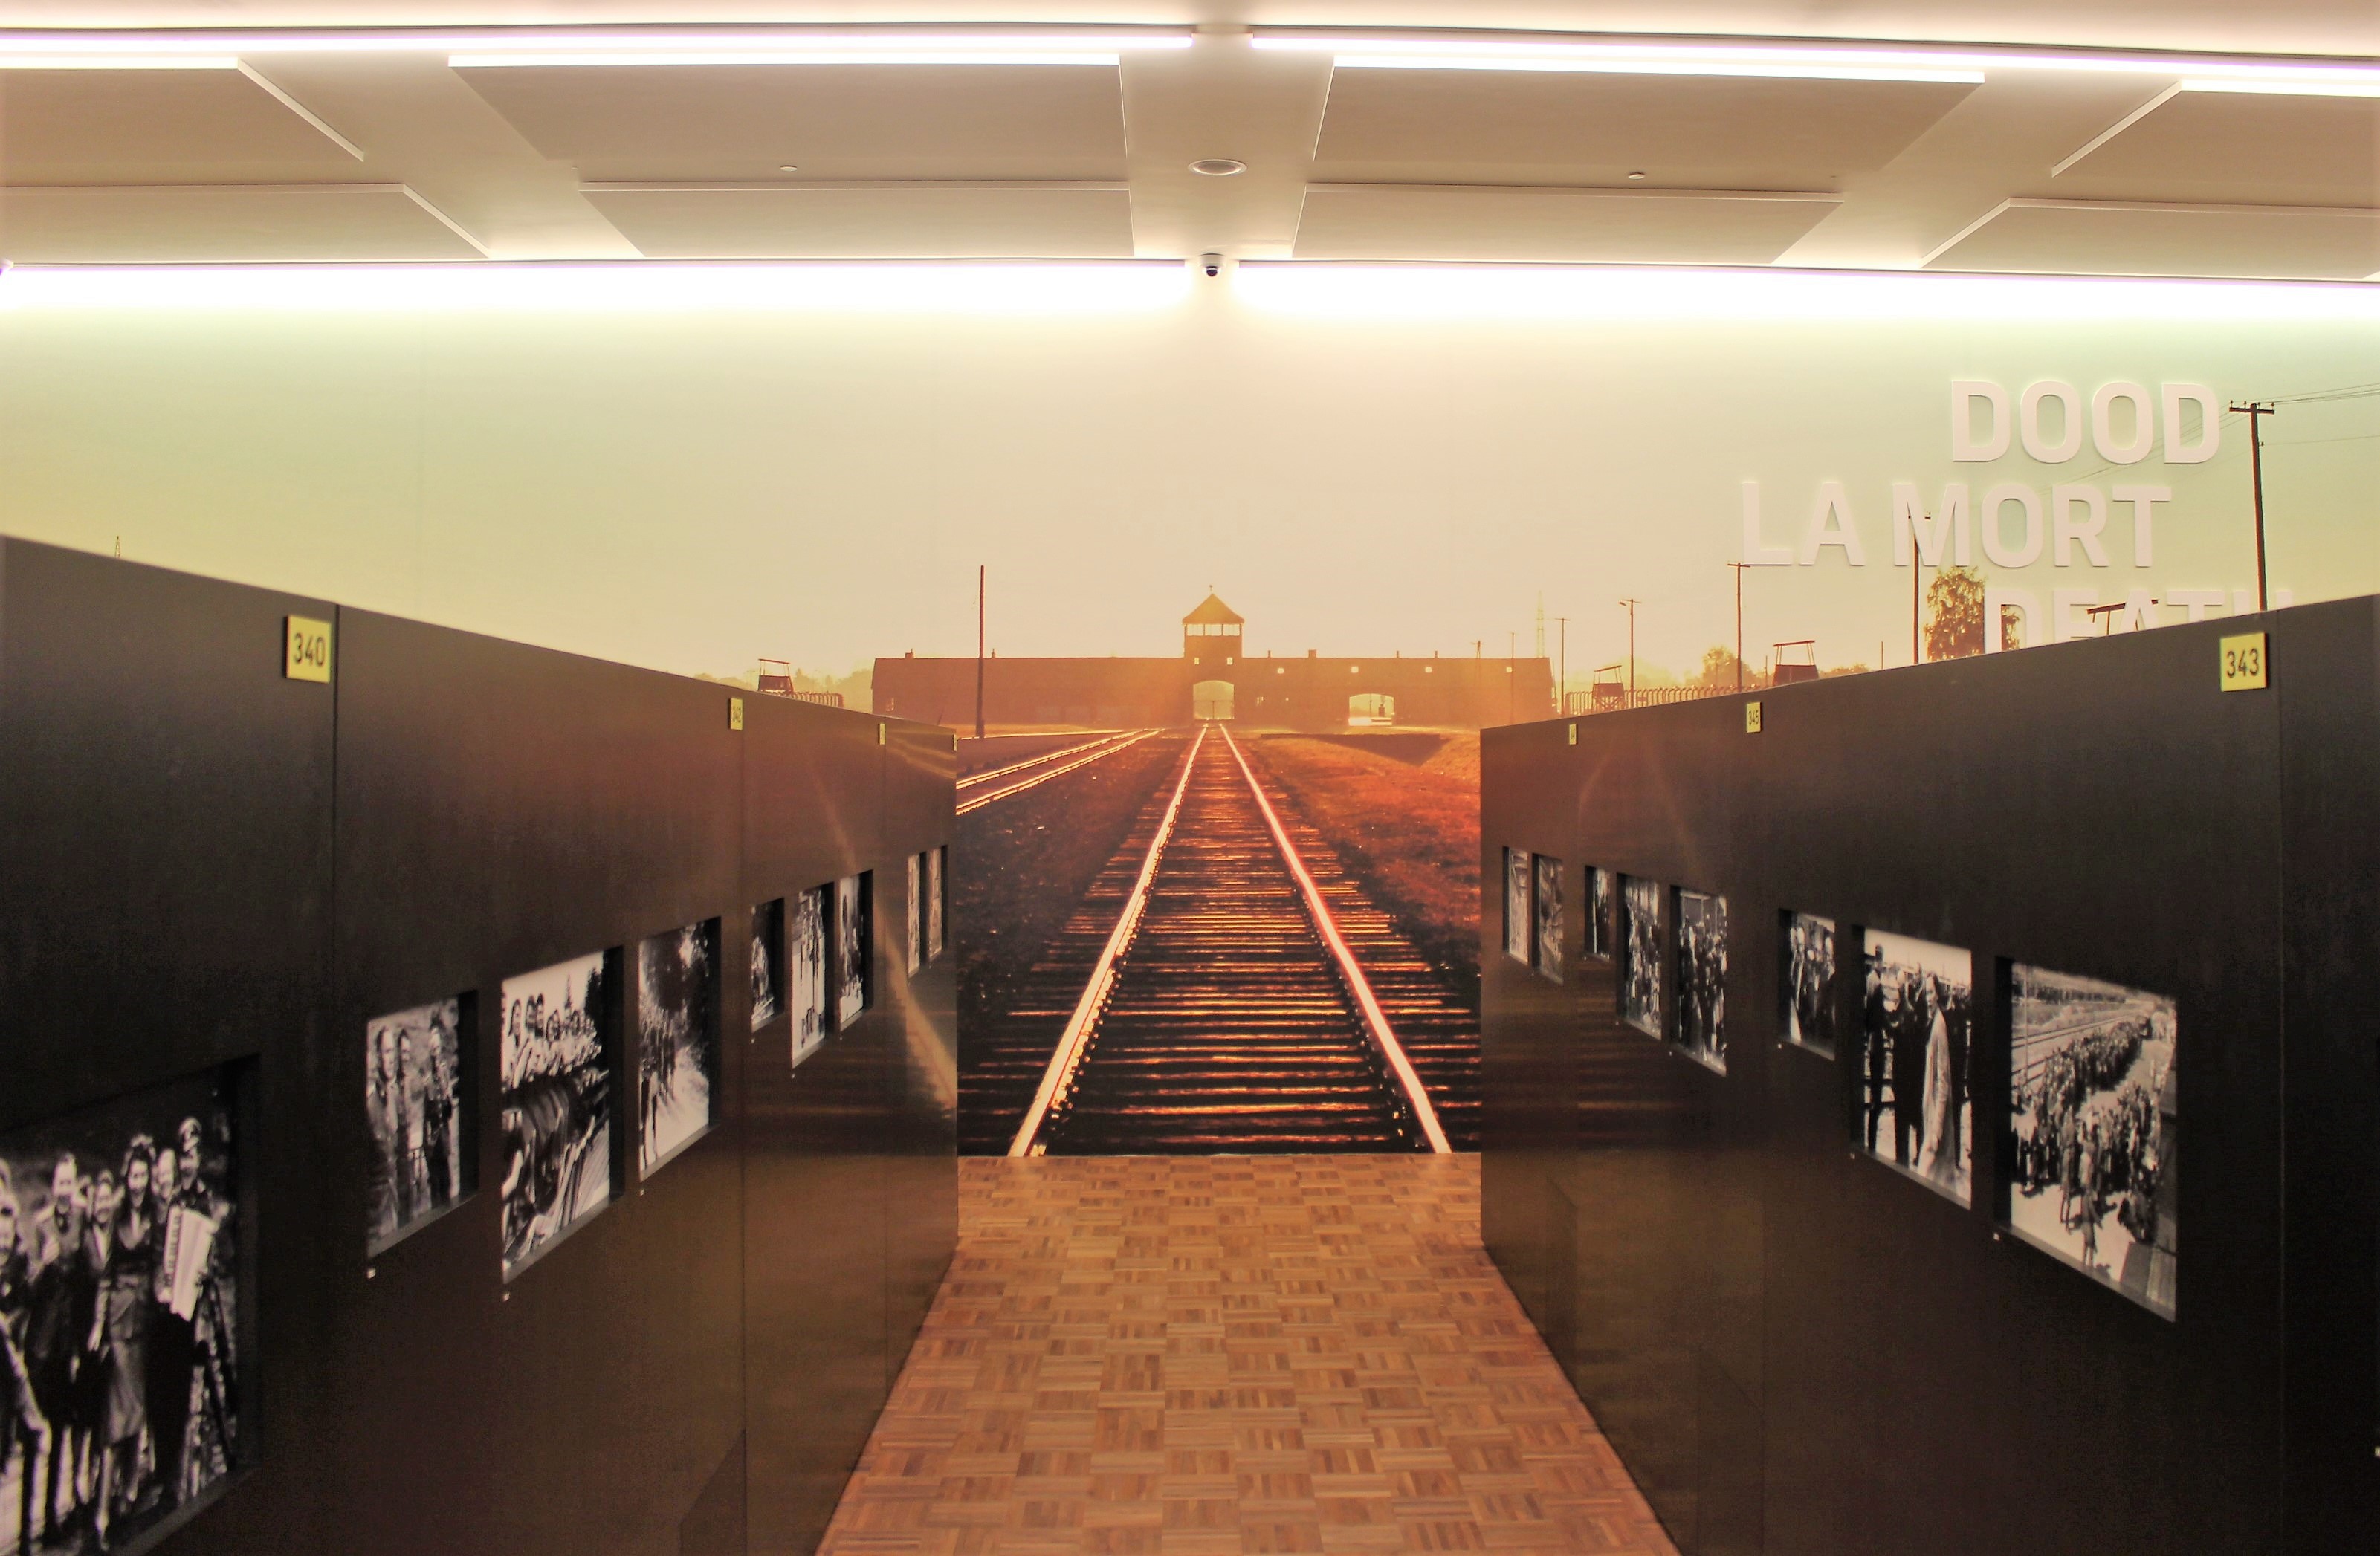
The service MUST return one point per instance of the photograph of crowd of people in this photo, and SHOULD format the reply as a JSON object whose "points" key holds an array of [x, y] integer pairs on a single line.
{"points": [[915, 941], [1516, 904], [677, 1041], [120, 1301], [558, 1102], [413, 1097], [855, 971], [937, 900], [1701, 938], [1916, 1018], [805, 977], [1598, 912], [1809, 981], [1549, 872], [2092, 1105], [767, 963], [1640, 960]]}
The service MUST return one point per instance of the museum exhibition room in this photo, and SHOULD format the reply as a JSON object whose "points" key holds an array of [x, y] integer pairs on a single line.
{"points": [[1170, 777]]}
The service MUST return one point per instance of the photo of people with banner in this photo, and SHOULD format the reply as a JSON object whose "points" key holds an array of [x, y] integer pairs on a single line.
{"points": [[805, 970], [1516, 904], [1809, 984], [937, 898], [1640, 954], [1598, 912], [1702, 977], [767, 963], [1549, 872], [677, 1041], [558, 1101], [413, 1099], [120, 1304], [2092, 1105], [855, 935], [1916, 1022]]}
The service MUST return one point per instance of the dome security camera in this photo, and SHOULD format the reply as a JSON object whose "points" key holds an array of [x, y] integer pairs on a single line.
{"points": [[1212, 264]]}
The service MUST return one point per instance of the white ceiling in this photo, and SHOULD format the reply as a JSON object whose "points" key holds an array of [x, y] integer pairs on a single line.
{"points": [[393, 152]]}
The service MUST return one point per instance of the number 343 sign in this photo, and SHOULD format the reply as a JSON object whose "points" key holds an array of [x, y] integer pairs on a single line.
{"points": [[306, 653], [2244, 667]]}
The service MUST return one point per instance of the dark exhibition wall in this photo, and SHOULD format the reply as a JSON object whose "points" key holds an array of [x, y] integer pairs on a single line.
{"points": [[1837, 1145], [569, 1069]]}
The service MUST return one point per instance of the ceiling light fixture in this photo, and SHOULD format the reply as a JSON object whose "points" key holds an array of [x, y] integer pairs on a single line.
{"points": [[119, 62], [2320, 86], [740, 42], [1636, 178], [781, 55], [1217, 167]]}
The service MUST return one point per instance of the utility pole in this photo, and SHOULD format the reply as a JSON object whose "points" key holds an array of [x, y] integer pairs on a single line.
{"points": [[1631, 604], [2256, 411], [1561, 686], [978, 650], [1739, 567]]}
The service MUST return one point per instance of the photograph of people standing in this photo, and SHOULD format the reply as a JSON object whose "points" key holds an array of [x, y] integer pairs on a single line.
{"points": [[1917, 1015], [1702, 977], [1640, 954], [413, 1098], [1809, 984], [119, 1318]]}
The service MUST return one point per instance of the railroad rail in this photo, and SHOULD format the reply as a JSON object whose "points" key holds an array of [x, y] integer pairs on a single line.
{"points": [[978, 789], [1223, 1008]]}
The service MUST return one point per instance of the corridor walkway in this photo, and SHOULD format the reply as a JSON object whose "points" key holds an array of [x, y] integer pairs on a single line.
{"points": [[1203, 1356]]}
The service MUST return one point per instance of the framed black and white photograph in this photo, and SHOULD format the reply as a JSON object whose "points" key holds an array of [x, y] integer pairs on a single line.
{"points": [[1699, 933], [854, 938], [1549, 888], [556, 1062], [123, 1291], [677, 1046], [2093, 1128], [1807, 989], [414, 1103], [937, 900], [1516, 905], [1598, 913], [913, 942], [767, 963], [805, 970], [1640, 954], [1916, 1027]]}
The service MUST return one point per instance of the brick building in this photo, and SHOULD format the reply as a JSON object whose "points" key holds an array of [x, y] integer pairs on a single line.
{"points": [[1215, 678]]}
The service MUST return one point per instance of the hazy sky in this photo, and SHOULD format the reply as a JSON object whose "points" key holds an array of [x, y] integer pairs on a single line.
{"points": [[692, 492]]}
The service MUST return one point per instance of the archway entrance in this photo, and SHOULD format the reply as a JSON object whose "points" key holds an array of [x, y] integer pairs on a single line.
{"points": [[1371, 707], [1211, 699]]}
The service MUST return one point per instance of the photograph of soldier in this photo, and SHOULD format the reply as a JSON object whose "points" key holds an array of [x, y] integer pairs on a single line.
{"points": [[1640, 960], [555, 1060], [1917, 1017], [1808, 988], [1701, 938], [119, 1318], [915, 941], [1549, 871], [2092, 1128], [805, 970], [677, 1048], [1516, 904], [413, 1099], [767, 963], [937, 900], [1598, 912], [854, 911]]}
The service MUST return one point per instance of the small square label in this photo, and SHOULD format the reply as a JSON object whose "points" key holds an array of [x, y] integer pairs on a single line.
{"points": [[1751, 718], [736, 713], [306, 648], [2244, 667]]}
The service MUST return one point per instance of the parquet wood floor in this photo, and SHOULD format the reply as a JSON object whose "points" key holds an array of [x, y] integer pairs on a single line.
{"points": [[1202, 1355]]}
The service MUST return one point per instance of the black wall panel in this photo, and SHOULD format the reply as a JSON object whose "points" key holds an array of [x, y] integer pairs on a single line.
{"points": [[206, 863], [1799, 1349]]}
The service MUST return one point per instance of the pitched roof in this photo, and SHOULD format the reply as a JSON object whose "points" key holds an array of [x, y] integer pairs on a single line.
{"points": [[1212, 609]]}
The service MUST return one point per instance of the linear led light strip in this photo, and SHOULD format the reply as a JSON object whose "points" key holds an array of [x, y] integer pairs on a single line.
{"points": [[2197, 72], [24, 51]]}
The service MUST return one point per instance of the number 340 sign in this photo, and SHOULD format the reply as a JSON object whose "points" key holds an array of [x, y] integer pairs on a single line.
{"points": [[306, 654]]}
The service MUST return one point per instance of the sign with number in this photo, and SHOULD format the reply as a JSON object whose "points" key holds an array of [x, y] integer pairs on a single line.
{"points": [[736, 713], [2244, 667], [306, 649], [1751, 718]]}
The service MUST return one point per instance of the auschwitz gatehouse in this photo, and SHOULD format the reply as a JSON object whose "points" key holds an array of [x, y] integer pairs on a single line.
{"points": [[1214, 678]]}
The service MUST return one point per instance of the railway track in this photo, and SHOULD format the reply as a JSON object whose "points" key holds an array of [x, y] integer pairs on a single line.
{"points": [[1207, 996], [978, 789]]}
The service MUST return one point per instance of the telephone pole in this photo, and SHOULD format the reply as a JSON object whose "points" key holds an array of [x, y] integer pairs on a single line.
{"points": [[1631, 604], [978, 650], [2256, 411], [1739, 567], [1561, 686]]}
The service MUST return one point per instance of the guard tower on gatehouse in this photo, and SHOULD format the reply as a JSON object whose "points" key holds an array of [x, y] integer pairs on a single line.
{"points": [[1210, 651]]}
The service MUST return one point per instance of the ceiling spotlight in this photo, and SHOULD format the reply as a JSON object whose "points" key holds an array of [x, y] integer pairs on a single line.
{"points": [[788, 167], [1217, 167], [1635, 178]]}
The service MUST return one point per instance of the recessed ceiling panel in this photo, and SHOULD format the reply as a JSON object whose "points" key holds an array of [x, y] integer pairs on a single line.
{"points": [[2114, 238], [747, 223], [1498, 127], [203, 223], [2237, 148], [738, 122], [1653, 226], [156, 127]]}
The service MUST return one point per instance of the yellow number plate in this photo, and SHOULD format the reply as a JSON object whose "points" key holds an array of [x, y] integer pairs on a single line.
{"points": [[2244, 667], [1751, 718], [736, 713], [306, 649]]}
